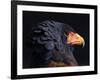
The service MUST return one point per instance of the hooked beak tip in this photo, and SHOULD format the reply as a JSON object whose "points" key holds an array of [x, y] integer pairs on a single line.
{"points": [[83, 44]]}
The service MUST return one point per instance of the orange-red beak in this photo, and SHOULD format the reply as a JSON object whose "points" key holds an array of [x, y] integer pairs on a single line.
{"points": [[74, 39]]}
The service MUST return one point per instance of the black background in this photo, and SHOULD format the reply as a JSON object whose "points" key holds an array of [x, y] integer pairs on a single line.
{"points": [[80, 22]]}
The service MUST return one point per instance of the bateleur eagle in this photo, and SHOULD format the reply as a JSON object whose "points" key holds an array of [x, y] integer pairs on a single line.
{"points": [[53, 44]]}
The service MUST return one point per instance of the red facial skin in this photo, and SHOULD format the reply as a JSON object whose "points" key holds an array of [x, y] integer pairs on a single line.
{"points": [[74, 38]]}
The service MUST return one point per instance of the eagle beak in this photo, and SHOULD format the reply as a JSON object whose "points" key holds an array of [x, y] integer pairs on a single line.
{"points": [[75, 39]]}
